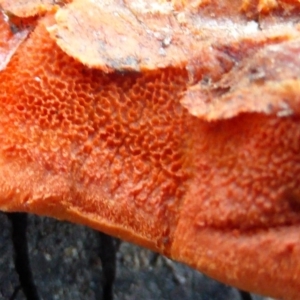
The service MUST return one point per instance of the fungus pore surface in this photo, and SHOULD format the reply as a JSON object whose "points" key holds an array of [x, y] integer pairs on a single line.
{"points": [[197, 158]]}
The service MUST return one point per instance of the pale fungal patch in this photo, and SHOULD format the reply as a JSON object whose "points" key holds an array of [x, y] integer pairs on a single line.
{"points": [[284, 110], [145, 7]]}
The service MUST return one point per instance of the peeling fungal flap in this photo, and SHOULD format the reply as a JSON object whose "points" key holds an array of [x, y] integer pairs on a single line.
{"points": [[29, 8], [9, 41], [111, 35], [232, 60]]}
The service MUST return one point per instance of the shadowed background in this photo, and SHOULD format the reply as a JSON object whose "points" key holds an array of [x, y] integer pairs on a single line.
{"points": [[66, 266]]}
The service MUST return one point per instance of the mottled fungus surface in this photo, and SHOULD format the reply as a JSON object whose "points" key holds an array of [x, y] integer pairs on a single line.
{"points": [[174, 125]]}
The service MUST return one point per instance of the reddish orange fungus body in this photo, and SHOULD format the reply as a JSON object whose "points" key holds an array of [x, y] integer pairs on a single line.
{"points": [[175, 127]]}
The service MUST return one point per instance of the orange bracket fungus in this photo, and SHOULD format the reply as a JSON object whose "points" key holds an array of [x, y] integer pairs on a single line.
{"points": [[171, 124]]}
